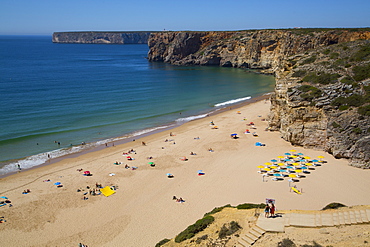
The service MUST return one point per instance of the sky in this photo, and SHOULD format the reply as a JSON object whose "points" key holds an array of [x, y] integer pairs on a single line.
{"points": [[43, 17]]}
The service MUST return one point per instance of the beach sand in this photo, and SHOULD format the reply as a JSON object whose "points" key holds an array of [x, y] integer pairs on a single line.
{"points": [[142, 212]]}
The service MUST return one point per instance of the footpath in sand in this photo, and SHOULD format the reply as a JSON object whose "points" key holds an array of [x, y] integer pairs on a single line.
{"points": [[142, 211]]}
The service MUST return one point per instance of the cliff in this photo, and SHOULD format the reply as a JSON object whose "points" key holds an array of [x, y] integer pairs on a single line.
{"points": [[322, 101], [101, 37], [255, 49]]}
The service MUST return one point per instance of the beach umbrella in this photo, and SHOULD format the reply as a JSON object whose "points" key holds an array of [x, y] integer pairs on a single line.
{"points": [[299, 153], [293, 150], [290, 167], [303, 168], [274, 160], [292, 175], [307, 158], [128, 157], [281, 164], [287, 154], [151, 163], [4, 197], [86, 172], [320, 157], [267, 169], [308, 164], [295, 164], [286, 160], [282, 170], [314, 160], [273, 167], [168, 174], [260, 167], [277, 175], [268, 164], [57, 183], [281, 157]]}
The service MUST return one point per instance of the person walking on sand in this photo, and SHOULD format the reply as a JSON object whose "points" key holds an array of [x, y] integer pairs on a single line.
{"points": [[267, 211], [272, 210]]}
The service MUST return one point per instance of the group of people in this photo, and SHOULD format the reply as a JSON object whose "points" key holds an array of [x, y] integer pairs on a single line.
{"points": [[178, 199], [270, 210]]}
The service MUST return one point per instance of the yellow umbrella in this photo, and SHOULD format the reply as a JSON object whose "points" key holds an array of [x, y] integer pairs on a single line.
{"points": [[295, 164], [293, 150], [308, 164], [281, 157], [320, 157], [267, 169], [298, 171], [292, 175], [273, 167], [307, 158], [281, 164], [268, 163], [294, 156], [260, 166]]}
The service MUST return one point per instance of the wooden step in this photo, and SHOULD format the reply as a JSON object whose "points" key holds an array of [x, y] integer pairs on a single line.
{"points": [[352, 217], [259, 230], [347, 219], [251, 236], [364, 217], [327, 219], [248, 240], [242, 243], [335, 219], [341, 218], [358, 217], [255, 233], [318, 220]]}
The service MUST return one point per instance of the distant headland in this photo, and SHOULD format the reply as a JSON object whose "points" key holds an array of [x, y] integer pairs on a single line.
{"points": [[96, 37]]}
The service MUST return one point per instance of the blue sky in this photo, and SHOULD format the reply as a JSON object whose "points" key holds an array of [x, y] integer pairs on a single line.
{"points": [[43, 17]]}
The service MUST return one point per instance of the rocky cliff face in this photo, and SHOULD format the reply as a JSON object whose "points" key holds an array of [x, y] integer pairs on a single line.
{"points": [[322, 101], [261, 49], [101, 37]]}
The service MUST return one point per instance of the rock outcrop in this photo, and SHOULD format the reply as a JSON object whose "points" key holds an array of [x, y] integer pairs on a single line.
{"points": [[101, 37], [322, 101], [255, 49]]}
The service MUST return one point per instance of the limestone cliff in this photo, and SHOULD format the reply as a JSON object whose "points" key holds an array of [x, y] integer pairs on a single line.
{"points": [[101, 37], [255, 49], [322, 101]]}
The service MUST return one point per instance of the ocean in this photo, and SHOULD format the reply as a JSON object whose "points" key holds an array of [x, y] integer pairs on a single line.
{"points": [[55, 97]]}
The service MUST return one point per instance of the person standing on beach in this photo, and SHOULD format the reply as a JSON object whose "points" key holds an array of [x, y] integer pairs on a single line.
{"points": [[272, 210], [267, 211]]}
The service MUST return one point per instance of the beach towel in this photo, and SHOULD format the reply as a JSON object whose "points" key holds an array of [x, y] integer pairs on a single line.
{"points": [[107, 191]]}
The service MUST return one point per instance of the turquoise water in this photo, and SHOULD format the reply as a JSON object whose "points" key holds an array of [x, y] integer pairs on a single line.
{"points": [[74, 93]]}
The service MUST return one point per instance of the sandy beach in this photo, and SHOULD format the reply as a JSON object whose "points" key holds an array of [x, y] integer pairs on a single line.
{"points": [[142, 211]]}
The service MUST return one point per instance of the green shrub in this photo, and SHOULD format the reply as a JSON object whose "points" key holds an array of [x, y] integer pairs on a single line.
{"points": [[334, 205], [191, 230], [305, 88], [309, 60], [299, 73], [229, 230], [363, 54], [335, 125], [326, 52], [364, 110], [321, 78], [162, 242], [353, 100], [361, 72], [217, 209], [343, 107], [334, 55], [250, 206], [357, 130], [286, 242]]}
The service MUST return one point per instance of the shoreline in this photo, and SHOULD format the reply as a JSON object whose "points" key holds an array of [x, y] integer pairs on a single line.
{"points": [[123, 139], [142, 211]]}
